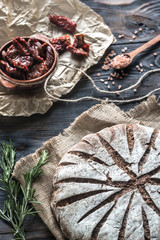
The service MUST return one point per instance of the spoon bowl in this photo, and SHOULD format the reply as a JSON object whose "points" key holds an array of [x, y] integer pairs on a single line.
{"points": [[124, 60], [121, 61]]}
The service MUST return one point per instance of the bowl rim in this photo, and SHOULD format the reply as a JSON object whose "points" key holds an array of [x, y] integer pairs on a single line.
{"points": [[34, 80]]}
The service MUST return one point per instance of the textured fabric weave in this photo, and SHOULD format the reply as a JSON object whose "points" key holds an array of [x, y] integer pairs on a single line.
{"points": [[96, 118]]}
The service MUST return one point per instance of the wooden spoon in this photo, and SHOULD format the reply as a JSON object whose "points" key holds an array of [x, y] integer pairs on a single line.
{"points": [[124, 60]]}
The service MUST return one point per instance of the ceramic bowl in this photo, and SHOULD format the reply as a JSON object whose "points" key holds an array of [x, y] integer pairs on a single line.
{"points": [[36, 82]]}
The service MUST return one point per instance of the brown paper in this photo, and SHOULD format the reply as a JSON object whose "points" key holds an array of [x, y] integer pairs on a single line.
{"points": [[96, 118], [22, 18]]}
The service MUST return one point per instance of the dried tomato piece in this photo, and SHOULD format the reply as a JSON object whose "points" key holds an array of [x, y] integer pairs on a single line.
{"points": [[64, 23], [20, 45], [23, 42], [34, 54], [77, 51], [49, 57], [79, 47], [9, 69], [10, 54], [23, 62], [34, 49], [78, 40], [42, 50], [80, 43], [37, 70], [4, 55], [61, 43], [34, 43]]}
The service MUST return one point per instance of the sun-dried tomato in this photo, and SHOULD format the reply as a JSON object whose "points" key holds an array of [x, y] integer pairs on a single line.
{"points": [[23, 42], [10, 54], [9, 69], [26, 59], [37, 70], [49, 57], [20, 45], [42, 50], [61, 43], [80, 43], [63, 23], [77, 51], [78, 40], [23, 62], [34, 54], [34, 49], [79, 48], [4, 55], [34, 43]]}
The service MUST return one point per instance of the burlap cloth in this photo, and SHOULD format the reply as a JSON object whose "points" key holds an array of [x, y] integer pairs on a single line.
{"points": [[96, 118]]}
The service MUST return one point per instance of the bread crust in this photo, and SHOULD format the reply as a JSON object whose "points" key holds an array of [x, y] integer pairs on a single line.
{"points": [[107, 187]]}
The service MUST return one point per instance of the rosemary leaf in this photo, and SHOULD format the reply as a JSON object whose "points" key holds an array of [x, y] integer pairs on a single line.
{"points": [[14, 210]]}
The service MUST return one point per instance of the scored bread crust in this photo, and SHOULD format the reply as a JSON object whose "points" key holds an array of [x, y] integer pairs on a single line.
{"points": [[107, 187]]}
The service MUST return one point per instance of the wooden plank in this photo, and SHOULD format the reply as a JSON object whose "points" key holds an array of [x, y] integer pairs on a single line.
{"points": [[126, 18], [115, 2], [38, 235], [28, 134]]}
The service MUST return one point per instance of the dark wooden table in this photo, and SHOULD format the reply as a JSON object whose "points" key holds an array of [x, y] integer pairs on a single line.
{"points": [[28, 134]]}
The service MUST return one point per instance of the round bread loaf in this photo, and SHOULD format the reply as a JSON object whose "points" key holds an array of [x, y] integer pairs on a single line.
{"points": [[107, 187]]}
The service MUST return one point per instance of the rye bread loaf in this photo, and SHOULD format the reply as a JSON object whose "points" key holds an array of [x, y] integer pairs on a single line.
{"points": [[107, 187]]}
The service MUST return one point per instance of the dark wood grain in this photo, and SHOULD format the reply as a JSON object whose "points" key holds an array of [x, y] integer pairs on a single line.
{"points": [[28, 134]]}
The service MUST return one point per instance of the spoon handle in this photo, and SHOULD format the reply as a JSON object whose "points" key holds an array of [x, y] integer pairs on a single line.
{"points": [[144, 46]]}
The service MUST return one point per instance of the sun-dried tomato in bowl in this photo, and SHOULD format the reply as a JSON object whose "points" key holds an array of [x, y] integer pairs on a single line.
{"points": [[27, 59]]}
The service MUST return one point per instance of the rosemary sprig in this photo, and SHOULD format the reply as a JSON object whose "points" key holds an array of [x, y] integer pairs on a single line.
{"points": [[14, 210]]}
